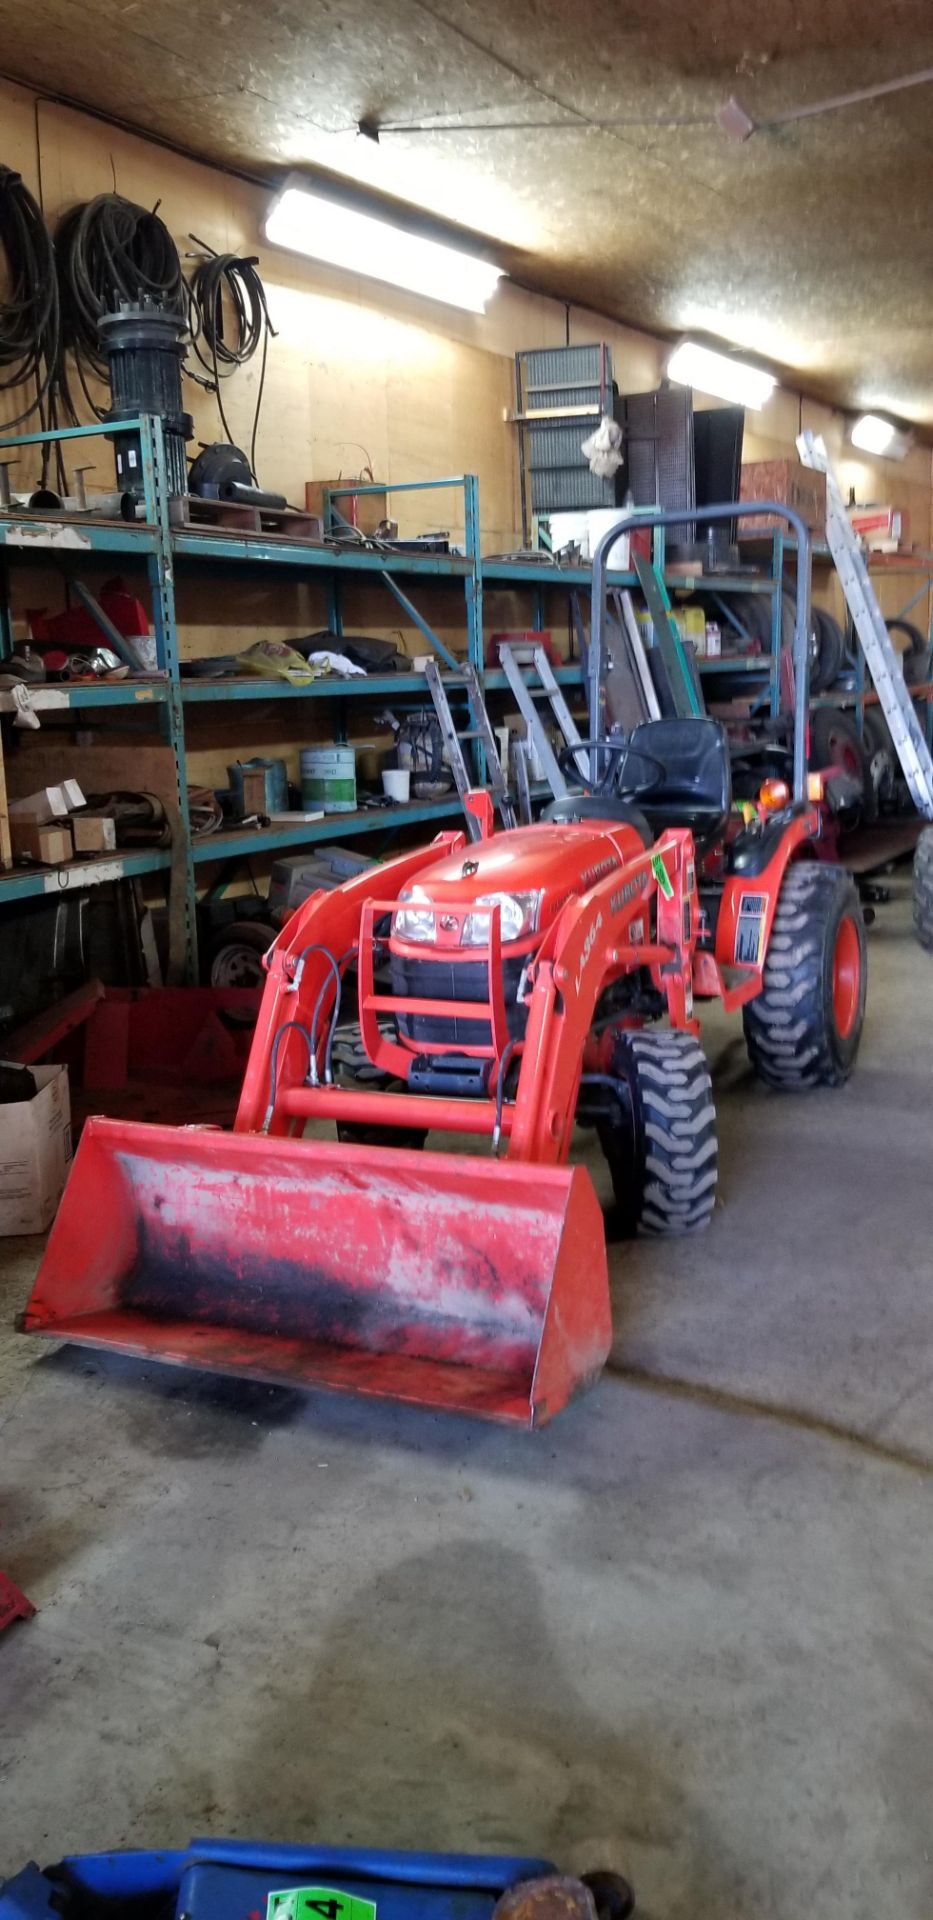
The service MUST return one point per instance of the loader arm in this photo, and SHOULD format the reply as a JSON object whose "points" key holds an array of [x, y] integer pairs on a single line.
{"points": [[591, 945]]}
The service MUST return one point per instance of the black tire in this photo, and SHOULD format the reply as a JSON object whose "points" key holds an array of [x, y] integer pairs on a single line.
{"points": [[804, 1028], [359, 1133], [236, 960], [788, 633], [923, 889], [754, 612], [830, 651], [662, 1152], [882, 755], [613, 1896], [835, 741], [916, 655]]}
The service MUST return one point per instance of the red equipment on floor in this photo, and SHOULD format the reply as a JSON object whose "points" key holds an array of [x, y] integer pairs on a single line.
{"points": [[13, 1604], [501, 990]]}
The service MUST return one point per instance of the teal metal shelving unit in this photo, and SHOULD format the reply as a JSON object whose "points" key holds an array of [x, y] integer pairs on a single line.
{"points": [[169, 551]]}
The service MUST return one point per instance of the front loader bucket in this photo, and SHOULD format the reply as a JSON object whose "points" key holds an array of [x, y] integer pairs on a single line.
{"points": [[452, 1281]]}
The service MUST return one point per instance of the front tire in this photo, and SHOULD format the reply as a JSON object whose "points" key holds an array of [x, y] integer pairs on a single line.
{"points": [[804, 1027], [923, 889], [662, 1150]]}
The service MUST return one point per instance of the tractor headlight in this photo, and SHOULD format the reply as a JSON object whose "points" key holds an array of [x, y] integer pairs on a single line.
{"points": [[518, 915], [415, 922]]}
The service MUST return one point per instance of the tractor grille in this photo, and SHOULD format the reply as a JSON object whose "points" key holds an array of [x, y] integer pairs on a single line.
{"points": [[454, 980]]}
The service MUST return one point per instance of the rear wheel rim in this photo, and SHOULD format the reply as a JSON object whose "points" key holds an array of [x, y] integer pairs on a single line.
{"points": [[847, 976]]}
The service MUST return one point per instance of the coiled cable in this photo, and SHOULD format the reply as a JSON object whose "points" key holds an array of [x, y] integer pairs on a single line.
{"points": [[30, 315], [231, 281]]}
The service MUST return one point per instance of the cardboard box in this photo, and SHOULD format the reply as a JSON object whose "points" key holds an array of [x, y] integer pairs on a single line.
{"points": [[35, 1154], [789, 483], [366, 511], [46, 846], [94, 832]]}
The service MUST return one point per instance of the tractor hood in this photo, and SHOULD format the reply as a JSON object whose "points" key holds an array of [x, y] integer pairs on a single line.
{"points": [[551, 858]]}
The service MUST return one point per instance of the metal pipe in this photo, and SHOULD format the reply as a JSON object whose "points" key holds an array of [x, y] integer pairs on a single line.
{"points": [[409, 1109], [731, 510]]}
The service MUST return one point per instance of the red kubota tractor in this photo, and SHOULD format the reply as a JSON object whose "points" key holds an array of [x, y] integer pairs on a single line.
{"points": [[505, 986]]}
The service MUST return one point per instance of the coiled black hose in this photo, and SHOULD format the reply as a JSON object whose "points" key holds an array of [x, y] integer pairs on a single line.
{"points": [[229, 279], [110, 251], [30, 316]]}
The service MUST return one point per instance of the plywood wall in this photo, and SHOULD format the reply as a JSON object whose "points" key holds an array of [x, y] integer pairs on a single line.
{"points": [[360, 375]]}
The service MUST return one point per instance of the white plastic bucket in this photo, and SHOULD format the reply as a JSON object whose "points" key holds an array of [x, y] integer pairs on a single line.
{"points": [[328, 779], [396, 783]]}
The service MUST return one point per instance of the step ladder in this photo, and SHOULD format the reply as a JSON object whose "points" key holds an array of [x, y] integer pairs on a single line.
{"points": [[479, 731], [868, 620], [528, 699]]}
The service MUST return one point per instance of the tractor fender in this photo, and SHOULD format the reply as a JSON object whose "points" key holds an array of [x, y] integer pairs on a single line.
{"points": [[749, 900]]}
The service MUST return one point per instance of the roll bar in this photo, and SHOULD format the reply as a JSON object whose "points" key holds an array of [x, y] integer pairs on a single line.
{"points": [[677, 517]]}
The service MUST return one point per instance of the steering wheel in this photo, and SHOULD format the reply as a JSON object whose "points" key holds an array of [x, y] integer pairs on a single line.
{"points": [[615, 780]]}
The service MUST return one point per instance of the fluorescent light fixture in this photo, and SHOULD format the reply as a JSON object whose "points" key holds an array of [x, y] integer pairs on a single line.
{"points": [[694, 366], [366, 243], [876, 435]]}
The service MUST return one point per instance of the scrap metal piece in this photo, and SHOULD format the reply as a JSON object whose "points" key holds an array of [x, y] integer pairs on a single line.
{"points": [[556, 1896], [13, 1604]]}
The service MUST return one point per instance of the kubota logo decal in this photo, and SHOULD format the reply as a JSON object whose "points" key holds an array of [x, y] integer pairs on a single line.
{"points": [[602, 866], [588, 945], [627, 893]]}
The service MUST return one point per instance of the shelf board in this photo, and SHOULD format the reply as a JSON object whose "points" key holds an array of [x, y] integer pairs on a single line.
{"points": [[259, 549], [761, 543], [77, 533], [735, 663], [102, 693], [521, 573], [525, 573], [27, 883], [238, 843], [570, 676], [28, 533], [330, 686], [333, 686]]}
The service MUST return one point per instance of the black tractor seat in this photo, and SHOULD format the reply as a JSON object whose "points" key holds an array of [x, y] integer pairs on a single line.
{"points": [[696, 791]]}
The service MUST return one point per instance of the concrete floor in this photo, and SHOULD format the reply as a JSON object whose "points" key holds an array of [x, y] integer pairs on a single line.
{"points": [[687, 1629]]}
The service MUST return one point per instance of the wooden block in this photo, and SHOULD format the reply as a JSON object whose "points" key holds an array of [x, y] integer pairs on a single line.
{"points": [[94, 832], [47, 846]]}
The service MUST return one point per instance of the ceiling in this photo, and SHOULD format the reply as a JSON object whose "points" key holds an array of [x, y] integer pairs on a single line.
{"points": [[807, 243]]}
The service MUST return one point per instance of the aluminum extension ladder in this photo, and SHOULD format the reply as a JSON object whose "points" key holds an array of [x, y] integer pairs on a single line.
{"points": [[867, 618], [527, 698], [479, 730]]}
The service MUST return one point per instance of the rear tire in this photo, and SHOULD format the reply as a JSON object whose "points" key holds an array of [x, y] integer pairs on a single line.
{"points": [[662, 1152], [238, 950], [923, 889], [835, 741], [804, 1028]]}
